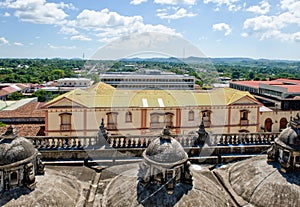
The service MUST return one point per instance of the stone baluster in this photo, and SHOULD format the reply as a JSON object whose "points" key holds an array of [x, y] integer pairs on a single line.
{"points": [[220, 142], [89, 141], [230, 139], [252, 140], [79, 145], [114, 143]]}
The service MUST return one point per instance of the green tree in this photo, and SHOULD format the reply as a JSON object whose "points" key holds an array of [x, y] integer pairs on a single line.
{"points": [[251, 75], [42, 95], [15, 96], [235, 75]]}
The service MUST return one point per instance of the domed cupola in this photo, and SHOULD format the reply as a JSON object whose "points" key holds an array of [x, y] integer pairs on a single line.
{"points": [[19, 161], [165, 151], [286, 148], [165, 163]]}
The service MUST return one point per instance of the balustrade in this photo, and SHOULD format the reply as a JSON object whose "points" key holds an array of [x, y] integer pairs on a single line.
{"points": [[142, 141]]}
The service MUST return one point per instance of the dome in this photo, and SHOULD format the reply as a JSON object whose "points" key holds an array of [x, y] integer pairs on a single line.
{"points": [[289, 137], [260, 183], [165, 151], [17, 150], [65, 191], [124, 190]]}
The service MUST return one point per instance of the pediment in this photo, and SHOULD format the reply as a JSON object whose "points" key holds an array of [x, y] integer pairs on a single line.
{"points": [[246, 101], [65, 103]]}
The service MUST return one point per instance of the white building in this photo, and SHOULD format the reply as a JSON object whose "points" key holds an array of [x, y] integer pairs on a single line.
{"points": [[148, 79], [74, 82]]}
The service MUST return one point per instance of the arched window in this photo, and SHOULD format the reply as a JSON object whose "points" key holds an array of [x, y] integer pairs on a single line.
{"points": [[282, 124], [244, 117], [191, 116], [128, 117], [169, 119], [206, 117], [112, 120], [154, 118], [14, 178], [268, 125], [65, 121]]}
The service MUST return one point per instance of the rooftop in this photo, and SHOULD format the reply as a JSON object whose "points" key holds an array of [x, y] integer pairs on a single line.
{"points": [[104, 95], [289, 85]]}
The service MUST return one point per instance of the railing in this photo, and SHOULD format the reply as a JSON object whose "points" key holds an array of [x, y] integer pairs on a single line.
{"points": [[142, 141], [243, 138], [67, 142]]}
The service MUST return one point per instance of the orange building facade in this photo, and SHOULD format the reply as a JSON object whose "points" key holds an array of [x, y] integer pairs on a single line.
{"points": [[134, 112]]}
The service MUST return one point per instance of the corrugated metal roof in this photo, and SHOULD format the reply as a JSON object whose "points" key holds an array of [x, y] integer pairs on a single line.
{"points": [[103, 95]]}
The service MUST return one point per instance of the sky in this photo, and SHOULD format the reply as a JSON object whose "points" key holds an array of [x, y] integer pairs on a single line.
{"points": [[218, 28]]}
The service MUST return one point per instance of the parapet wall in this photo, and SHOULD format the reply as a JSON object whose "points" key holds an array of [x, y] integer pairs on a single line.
{"points": [[219, 148]]}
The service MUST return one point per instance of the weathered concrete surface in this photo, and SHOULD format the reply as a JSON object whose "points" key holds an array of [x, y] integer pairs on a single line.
{"points": [[252, 182], [258, 183], [123, 190], [60, 186]]}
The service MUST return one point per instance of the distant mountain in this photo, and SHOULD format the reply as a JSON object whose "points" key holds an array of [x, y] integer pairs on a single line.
{"points": [[233, 60]]}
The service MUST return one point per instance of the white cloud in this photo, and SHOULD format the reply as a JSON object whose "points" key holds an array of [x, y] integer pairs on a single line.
{"points": [[6, 14], [68, 30], [263, 23], [244, 34], [38, 11], [262, 8], [61, 47], [175, 2], [3, 41], [136, 2], [18, 44], [179, 13], [222, 27], [80, 37], [105, 19], [290, 4], [231, 4], [277, 26], [109, 25]]}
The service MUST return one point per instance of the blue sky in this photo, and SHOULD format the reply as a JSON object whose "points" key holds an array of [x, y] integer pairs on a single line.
{"points": [[218, 28]]}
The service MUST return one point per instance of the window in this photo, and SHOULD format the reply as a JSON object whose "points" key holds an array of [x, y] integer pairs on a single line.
{"points": [[154, 118], [268, 125], [244, 117], [297, 160], [191, 115], [14, 178], [169, 120], [65, 121], [156, 121], [128, 117], [282, 124], [206, 118], [112, 120]]}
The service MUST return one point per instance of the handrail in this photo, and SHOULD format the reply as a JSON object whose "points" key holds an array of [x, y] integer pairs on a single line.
{"points": [[142, 141]]}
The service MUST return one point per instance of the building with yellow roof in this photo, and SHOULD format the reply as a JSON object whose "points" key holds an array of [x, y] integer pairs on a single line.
{"points": [[79, 112]]}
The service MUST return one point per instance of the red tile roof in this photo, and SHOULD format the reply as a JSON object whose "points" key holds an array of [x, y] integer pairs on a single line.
{"points": [[7, 90], [292, 86], [24, 129], [32, 109]]}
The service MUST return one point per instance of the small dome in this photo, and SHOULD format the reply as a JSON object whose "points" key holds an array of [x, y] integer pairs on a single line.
{"points": [[289, 137], [262, 184], [17, 150], [165, 151], [123, 190]]}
